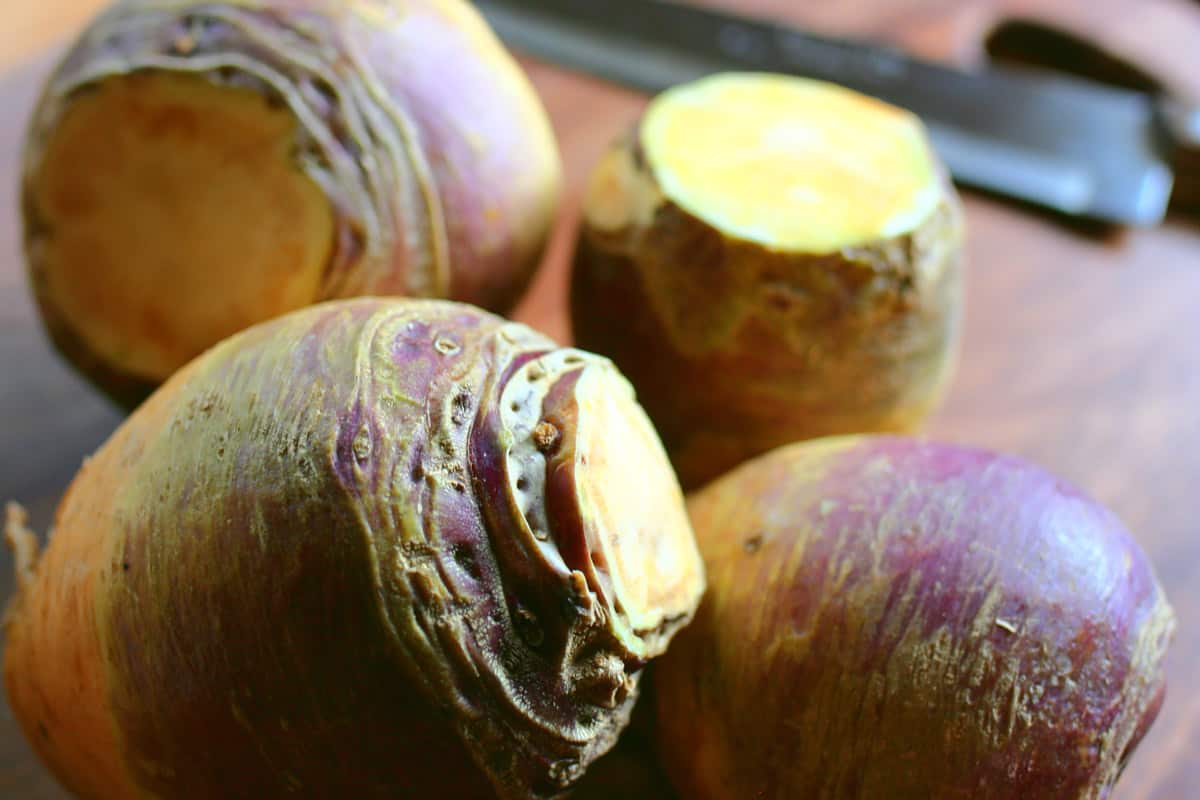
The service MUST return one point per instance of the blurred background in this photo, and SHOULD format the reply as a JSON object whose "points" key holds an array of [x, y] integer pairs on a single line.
{"points": [[1082, 345]]}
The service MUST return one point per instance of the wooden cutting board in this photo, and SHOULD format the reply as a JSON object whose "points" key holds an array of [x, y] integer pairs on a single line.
{"points": [[1082, 351]]}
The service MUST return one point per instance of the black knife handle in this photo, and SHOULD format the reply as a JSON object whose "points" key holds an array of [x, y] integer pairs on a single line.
{"points": [[1031, 43], [1180, 124]]}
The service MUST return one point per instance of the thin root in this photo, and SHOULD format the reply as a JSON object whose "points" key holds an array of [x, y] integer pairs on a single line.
{"points": [[23, 543]]}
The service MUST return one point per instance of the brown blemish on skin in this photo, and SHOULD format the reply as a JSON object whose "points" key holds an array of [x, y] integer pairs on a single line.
{"points": [[546, 437]]}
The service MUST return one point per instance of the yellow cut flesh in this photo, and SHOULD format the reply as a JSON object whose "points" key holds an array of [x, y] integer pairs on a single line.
{"points": [[633, 509], [174, 216], [793, 164]]}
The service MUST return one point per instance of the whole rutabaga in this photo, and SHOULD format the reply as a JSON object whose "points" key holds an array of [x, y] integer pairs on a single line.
{"points": [[372, 549], [894, 619], [196, 167]]}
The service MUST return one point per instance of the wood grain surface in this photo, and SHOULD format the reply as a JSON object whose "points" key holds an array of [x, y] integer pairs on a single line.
{"points": [[1082, 351]]}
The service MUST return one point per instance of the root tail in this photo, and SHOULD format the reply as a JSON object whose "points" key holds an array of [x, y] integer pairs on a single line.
{"points": [[24, 545]]}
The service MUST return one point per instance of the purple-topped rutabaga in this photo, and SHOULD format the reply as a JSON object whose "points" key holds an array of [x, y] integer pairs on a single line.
{"points": [[370, 549], [194, 167], [892, 618]]}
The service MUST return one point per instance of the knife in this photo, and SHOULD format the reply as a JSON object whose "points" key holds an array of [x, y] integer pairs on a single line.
{"points": [[1076, 147]]}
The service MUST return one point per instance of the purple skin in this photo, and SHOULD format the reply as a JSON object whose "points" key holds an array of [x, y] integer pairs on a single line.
{"points": [[316, 565], [889, 618]]}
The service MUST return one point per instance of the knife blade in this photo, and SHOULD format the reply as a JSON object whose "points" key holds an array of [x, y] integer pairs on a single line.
{"points": [[1075, 147]]}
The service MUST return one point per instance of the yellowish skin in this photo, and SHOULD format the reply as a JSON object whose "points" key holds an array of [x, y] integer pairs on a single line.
{"points": [[771, 259], [55, 636]]}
